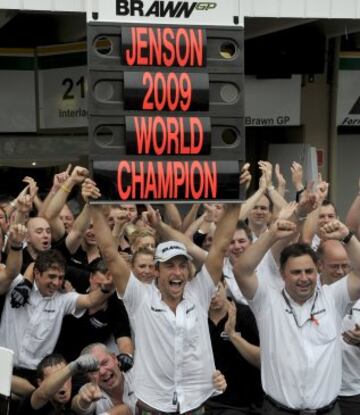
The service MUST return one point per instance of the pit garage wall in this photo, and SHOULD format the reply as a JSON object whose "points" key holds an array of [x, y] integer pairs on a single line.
{"points": [[346, 143]]}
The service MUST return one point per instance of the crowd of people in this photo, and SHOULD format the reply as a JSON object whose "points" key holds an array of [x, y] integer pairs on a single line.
{"points": [[249, 308]]}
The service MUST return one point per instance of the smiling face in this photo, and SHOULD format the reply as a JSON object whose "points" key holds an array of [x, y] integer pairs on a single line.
{"points": [[143, 267], [49, 281], [327, 214], [260, 214], [108, 377], [89, 237], [172, 277], [334, 263], [300, 277], [238, 244], [63, 395]]}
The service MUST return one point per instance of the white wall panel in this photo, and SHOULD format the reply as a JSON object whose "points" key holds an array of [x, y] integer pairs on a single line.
{"points": [[50, 5]]}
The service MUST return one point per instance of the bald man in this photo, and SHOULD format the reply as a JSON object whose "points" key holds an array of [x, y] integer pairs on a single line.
{"points": [[334, 264], [38, 240]]}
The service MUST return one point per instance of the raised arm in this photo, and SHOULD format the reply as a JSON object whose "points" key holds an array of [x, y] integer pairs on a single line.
{"points": [[51, 384], [250, 202], [311, 222], [277, 199], [337, 230], [222, 237], [77, 231], [353, 215], [172, 215], [118, 267], [17, 234], [166, 232], [250, 352], [281, 182], [190, 216], [57, 202], [245, 265]]}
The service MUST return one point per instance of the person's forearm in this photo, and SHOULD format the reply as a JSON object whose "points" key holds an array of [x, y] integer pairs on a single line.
{"points": [[249, 203], [14, 260], [169, 233], [278, 201], [20, 386], [13, 267], [225, 229], [353, 216], [246, 264], [172, 215], [190, 216], [81, 224], [93, 298], [352, 248], [81, 407], [47, 200], [193, 227], [125, 345], [38, 203], [309, 226], [49, 387], [248, 351], [58, 200]]}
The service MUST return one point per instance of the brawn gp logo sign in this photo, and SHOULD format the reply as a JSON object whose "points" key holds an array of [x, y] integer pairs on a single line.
{"points": [[175, 9]]}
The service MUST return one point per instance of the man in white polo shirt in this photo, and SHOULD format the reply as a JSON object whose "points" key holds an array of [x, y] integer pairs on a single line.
{"points": [[299, 325], [334, 265], [174, 363], [31, 331]]}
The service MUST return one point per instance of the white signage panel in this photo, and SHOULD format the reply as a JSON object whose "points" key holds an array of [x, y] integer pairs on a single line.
{"points": [[62, 97], [185, 12], [272, 102], [6, 364], [348, 99]]}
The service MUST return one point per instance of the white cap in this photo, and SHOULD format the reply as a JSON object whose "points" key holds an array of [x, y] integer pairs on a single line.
{"points": [[170, 249]]}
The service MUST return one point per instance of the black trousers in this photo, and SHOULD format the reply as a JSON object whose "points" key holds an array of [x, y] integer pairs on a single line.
{"points": [[217, 408], [349, 405], [270, 409]]}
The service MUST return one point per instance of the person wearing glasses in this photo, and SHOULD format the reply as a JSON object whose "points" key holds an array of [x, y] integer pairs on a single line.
{"points": [[334, 264], [300, 324]]}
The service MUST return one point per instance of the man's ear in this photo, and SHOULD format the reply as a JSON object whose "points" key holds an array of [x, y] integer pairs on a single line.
{"points": [[320, 265], [38, 381], [36, 273]]}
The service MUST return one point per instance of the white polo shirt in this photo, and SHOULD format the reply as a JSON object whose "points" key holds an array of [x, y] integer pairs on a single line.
{"points": [[174, 362], [105, 403], [32, 331], [267, 270], [301, 367], [350, 356]]}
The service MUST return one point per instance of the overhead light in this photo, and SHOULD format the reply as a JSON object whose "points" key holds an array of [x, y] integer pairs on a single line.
{"points": [[34, 163]]}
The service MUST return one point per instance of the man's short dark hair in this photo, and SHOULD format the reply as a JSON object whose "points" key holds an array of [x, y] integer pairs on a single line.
{"points": [[326, 202], [97, 265], [243, 226], [49, 259], [296, 250], [52, 359]]}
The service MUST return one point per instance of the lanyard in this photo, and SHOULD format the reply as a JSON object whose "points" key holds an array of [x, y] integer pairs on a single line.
{"points": [[312, 314]]}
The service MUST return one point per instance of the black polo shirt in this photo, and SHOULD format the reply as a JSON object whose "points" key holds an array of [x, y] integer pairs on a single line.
{"points": [[243, 379], [48, 409]]}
